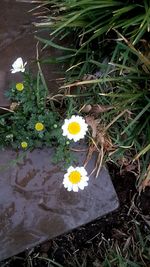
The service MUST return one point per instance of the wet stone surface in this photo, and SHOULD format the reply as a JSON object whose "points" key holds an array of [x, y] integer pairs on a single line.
{"points": [[34, 205], [17, 39]]}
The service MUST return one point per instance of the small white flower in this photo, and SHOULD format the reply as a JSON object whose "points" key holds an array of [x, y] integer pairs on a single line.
{"points": [[18, 65], [75, 128], [75, 179]]}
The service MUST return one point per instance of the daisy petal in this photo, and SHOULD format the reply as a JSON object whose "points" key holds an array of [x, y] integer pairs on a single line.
{"points": [[75, 188], [18, 66], [74, 128], [75, 179]]}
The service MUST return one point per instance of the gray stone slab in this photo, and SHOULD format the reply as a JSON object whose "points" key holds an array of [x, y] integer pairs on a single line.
{"points": [[35, 206], [17, 40]]}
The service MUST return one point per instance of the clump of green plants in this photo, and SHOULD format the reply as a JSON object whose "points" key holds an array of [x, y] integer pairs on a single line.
{"points": [[132, 251], [31, 122], [108, 73], [120, 100], [91, 20]]}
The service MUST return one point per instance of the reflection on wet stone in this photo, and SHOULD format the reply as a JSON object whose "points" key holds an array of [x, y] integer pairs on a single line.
{"points": [[34, 205], [17, 40]]}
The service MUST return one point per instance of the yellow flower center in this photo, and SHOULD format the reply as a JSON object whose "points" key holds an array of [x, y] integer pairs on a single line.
{"points": [[24, 144], [74, 128], [39, 126], [19, 86], [75, 177]]}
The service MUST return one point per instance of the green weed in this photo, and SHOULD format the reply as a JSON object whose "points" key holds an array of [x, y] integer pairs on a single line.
{"points": [[30, 122]]}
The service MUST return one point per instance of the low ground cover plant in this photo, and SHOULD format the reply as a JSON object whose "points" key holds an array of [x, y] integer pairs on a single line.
{"points": [[30, 122], [33, 122]]}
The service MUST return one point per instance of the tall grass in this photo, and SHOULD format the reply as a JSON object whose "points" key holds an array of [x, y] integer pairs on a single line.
{"points": [[94, 18], [108, 65]]}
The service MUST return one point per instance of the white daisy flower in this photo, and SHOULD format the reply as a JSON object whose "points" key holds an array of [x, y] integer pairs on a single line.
{"points": [[75, 128], [18, 65], [75, 179]]}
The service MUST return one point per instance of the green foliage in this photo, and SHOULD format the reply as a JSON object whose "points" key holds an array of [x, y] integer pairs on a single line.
{"points": [[28, 107], [94, 18], [109, 65], [124, 85], [133, 253]]}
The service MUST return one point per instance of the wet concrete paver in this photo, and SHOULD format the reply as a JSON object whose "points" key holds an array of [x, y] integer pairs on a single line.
{"points": [[17, 39], [35, 206]]}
